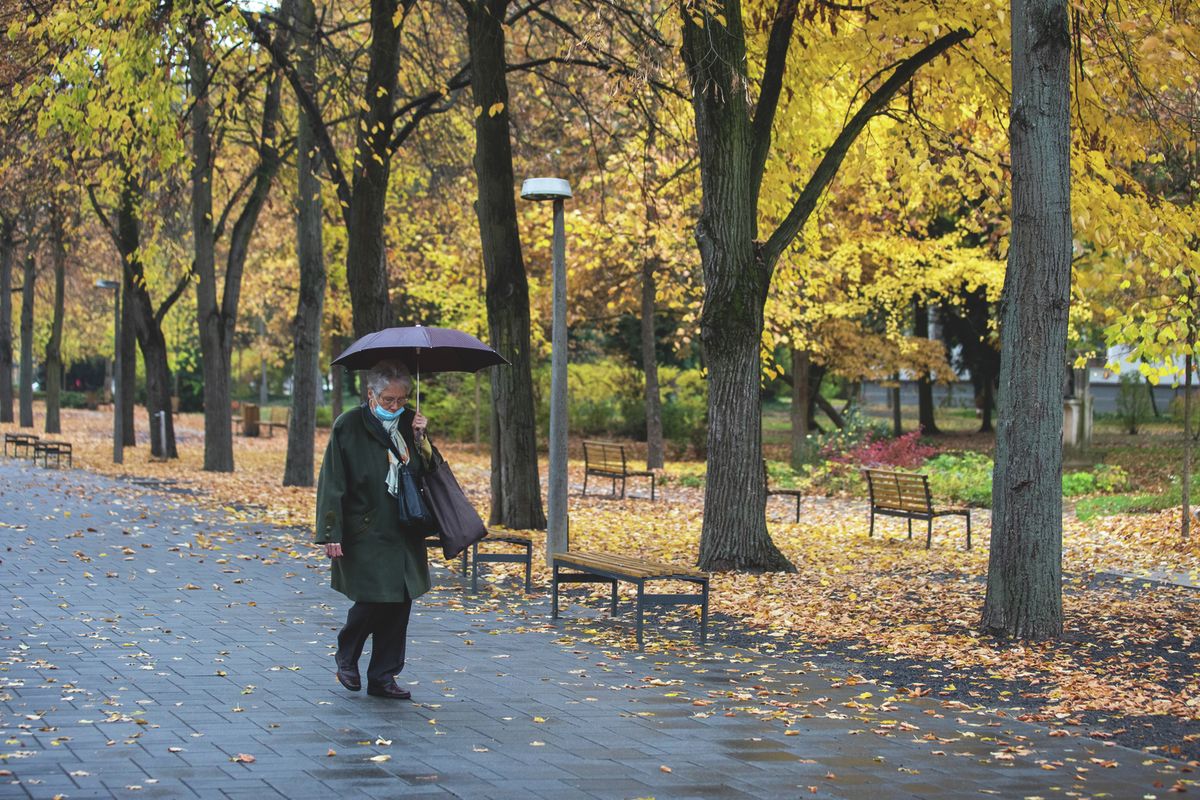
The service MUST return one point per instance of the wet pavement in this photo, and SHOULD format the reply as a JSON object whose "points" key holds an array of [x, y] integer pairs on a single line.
{"points": [[151, 648]]}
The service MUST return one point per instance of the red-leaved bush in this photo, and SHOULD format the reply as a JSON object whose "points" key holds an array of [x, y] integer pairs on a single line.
{"points": [[874, 451]]}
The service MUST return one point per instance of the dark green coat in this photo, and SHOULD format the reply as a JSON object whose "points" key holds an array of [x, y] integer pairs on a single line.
{"points": [[382, 562]]}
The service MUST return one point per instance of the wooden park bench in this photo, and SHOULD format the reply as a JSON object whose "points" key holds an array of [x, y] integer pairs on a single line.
{"points": [[607, 460], [906, 495], [580, 567], [519, 538], [782, 492], [44, 449], [269, 422], [22, 444]]}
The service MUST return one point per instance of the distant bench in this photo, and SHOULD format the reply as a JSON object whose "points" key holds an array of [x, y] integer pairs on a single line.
{"points": [[775, 490], [906, 495], [604, 568], [607, 460], [519, 538], [44, 449], [22, 444], [269, 422]]}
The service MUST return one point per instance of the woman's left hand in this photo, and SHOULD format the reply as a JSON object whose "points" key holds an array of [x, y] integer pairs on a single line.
{"points": [[419, 425]]}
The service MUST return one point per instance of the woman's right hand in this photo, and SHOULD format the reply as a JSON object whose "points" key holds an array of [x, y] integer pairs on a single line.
{"points": [[333, 549]]}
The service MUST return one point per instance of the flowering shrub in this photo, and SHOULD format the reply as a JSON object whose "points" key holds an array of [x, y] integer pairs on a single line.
{"points": [[905, 451]]}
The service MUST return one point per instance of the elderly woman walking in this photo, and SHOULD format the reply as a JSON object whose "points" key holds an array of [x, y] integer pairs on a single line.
{"points": [[379, 562]]}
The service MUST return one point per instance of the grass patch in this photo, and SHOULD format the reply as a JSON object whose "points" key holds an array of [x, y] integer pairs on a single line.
{"points": [[1108, 505]]}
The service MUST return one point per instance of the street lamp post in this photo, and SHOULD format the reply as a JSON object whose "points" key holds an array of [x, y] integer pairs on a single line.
{"points": [[557, 527], [118, 444]]}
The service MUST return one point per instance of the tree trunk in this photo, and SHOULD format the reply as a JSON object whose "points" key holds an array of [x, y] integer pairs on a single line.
{"points": [[1024, 585], [897, 411], [339, 379], [1185, 480], [25, 385], [54, 365], [516, 490], [218, 322], [734, 148], [218, 428], [801, 362], [925, 416], [310, 251], [650, 264], [147, 328], [654, 423], [366, 256], [128, 363], [7, 249]]}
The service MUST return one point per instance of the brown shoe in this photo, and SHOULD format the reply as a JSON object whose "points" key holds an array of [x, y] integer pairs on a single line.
{"points": [[349, 677], [389, 690]]}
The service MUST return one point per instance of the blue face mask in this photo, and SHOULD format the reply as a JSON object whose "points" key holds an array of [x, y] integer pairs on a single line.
{"points": [[385, 415]]}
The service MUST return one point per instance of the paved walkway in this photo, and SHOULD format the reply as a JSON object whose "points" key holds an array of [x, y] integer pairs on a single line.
{"points": [[151, 649]]}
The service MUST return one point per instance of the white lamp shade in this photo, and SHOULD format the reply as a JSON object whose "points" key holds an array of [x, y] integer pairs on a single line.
{"points": [[545, 189]]}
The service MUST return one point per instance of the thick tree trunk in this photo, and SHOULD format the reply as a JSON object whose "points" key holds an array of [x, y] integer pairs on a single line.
{"points": [[801, 363], [54, 365], [25, 380], [925, 416], [734, 533], [310, 251], [7, 250], [366, 256], [1024, 586], [516, 490], [734, 147], [147, 328]]}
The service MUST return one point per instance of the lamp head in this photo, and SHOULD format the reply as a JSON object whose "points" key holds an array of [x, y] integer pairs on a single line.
{"points": [[107, 284], [545, 189]]}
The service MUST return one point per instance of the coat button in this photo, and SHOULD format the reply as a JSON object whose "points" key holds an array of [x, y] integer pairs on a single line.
{"points": [[367, 520]]}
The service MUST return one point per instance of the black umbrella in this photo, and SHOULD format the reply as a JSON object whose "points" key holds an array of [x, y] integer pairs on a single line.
{"points": [[421, 348]]}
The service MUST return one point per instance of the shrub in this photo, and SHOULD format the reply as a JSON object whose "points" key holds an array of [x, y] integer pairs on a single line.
{"points": [[1176, 409], [965, 477], [324, 416], [1133, 402], [1111, 478], [1078, 483], [67, 399], [905, 451]]}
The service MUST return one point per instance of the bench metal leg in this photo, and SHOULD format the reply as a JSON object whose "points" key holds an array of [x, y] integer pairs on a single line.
{"points": [[585, 477], [968, 516], [529, 568], [622, 487], [704, 615], [871, 532], [797, 509], [554, 593], [641, 608], [612, 606], [910, 527], [929, 534]]}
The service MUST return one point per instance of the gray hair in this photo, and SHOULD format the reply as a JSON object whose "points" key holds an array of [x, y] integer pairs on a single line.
{"points": [[385, 372]]}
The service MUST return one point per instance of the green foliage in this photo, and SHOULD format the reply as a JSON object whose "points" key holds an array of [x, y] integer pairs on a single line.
{"points": [[68, 399], [1078, 483], [606, 398], [324, 416], [1133, 402], [1107, 505], [450, 406], [1176, 410], [965, 477]]}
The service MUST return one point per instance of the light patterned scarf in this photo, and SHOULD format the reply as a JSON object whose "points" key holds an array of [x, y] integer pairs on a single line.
{"points": [[393, 474]]}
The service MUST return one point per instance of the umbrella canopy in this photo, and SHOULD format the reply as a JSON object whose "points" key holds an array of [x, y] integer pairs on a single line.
{"points": [[422, 349]]}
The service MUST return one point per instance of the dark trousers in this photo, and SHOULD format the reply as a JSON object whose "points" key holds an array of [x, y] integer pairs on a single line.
{"points": [[387, 623]]}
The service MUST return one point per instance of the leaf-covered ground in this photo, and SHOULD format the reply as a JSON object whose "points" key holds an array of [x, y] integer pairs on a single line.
{"points": [[1127, 668]]}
